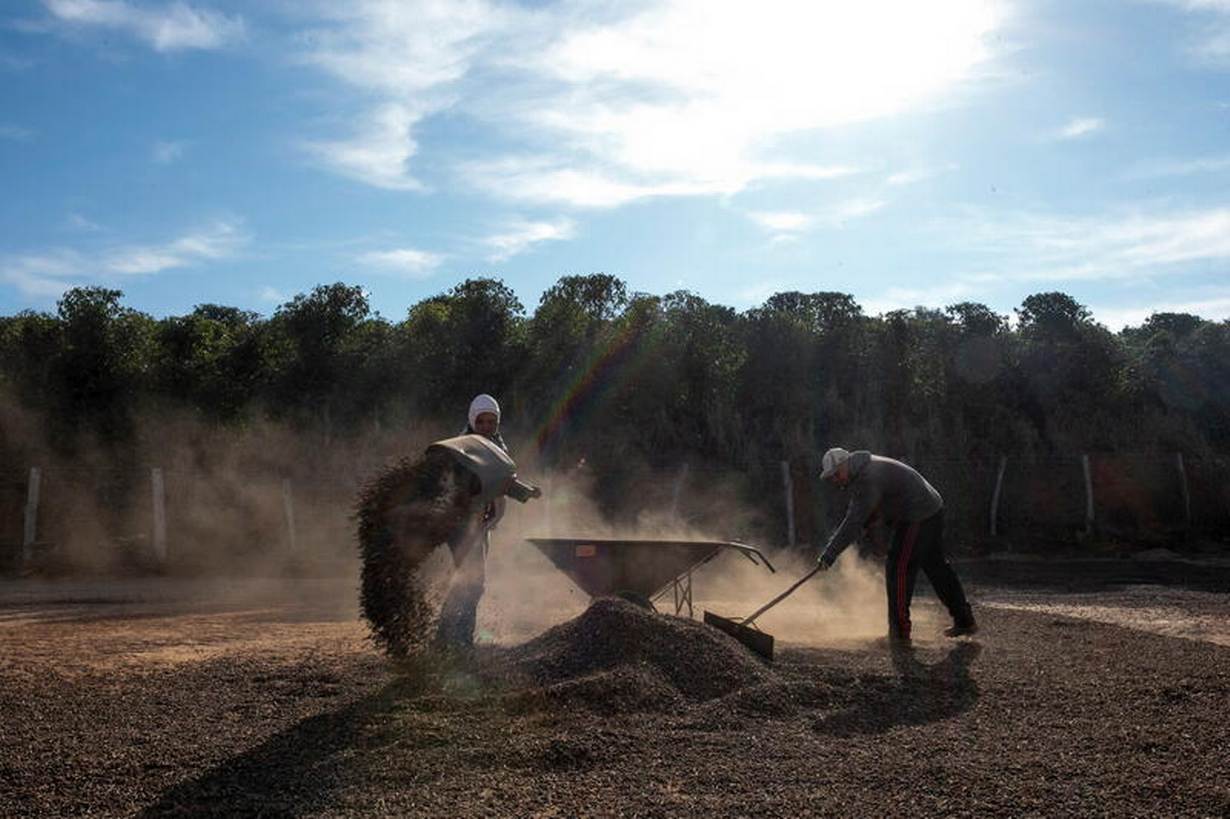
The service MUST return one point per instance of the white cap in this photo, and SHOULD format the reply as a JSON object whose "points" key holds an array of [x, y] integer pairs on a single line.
{"points": [[483, 403], [832, 459]]}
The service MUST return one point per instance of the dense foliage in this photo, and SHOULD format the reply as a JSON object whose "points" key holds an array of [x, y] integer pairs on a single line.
{"points": [[636, 381]]}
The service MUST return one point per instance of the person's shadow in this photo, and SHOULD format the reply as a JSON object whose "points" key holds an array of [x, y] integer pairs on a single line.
{"points": [[920, 694], [292, 772]]}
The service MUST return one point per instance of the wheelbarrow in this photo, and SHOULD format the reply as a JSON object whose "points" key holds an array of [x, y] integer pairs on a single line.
{"points": [[639, 570]]}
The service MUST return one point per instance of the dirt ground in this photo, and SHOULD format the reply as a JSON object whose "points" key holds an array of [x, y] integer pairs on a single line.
{"points": [[165, 697]]}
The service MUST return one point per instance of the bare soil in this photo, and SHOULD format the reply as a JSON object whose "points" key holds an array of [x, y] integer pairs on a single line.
{"points": [[159, 698]]}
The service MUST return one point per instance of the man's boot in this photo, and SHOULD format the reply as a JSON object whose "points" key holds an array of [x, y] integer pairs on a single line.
{"points": [[963, 624]]}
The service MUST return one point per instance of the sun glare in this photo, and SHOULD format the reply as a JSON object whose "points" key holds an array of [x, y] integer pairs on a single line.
{"points": [[693, 88]]}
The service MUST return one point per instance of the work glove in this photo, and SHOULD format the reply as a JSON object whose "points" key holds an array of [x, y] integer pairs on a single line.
{"points": [[824, 561]]}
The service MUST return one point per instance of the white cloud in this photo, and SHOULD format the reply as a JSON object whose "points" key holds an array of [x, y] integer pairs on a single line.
{"points": [[406, 262], [1179, 167], [43, 274], [551, 181], [1215, 46], [1214, 308], [1136, 245], [16, 133], [914, 175], [1202, 5], [172, 27], [601, 106], [164, 153], [781, 221], [907, 298], [760, 292], [855, 208], [53, 271], [379, 152], [216, 241], [404, 56], [271, 295], [784, 226], [12, 62], [1212, 42], [520, 236], [78, 222], [1078, 127], [402, 49]]}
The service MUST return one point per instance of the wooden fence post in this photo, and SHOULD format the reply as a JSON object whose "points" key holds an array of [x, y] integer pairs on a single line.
{"points": [[288, 513], [1187, 498], [30, 530], [999, 483], [547, 501], [160, 514], [677, 490], [788, 483], [1088, 494]]}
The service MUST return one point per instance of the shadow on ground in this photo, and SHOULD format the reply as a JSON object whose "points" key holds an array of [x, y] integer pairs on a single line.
{"points": [[919, 694], [292, 772]]}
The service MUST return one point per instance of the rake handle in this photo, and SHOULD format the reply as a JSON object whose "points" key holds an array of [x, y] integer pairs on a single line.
{"points": [[782, 596]]}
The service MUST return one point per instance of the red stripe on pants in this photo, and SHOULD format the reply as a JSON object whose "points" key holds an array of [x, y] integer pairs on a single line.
{"points": [[903, 564]]}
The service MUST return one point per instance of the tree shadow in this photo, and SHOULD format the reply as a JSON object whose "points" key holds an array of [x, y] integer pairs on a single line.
{"points": [[292, 772], [920, 694]]}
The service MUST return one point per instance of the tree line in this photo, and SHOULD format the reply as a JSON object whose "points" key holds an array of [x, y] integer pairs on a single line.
{"points": [[616, 377]]}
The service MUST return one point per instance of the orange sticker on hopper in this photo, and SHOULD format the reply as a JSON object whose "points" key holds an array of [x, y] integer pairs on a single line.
{"points": [[587, 550]]}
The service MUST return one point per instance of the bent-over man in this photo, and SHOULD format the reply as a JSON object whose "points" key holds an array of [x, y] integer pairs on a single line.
{"points": [[883, 489]]}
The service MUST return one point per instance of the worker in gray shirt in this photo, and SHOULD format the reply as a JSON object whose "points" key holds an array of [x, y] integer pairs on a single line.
{"points": [[882, 489]]}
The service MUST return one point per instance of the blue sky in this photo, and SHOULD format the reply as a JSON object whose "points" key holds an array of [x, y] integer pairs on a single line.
{"points": [[906, 153]]}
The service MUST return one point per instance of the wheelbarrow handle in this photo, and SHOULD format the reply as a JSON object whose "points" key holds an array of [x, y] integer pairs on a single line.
{"points": [[782, 596], [751, 553]]}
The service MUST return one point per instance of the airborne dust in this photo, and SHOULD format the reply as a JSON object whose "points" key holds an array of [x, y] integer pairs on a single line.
{"points": [[232, 495]]}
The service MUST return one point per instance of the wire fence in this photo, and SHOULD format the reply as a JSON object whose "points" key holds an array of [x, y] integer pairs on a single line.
{"points": [[150, 517]]}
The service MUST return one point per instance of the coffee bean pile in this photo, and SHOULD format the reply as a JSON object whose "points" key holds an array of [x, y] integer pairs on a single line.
{"points": [[619, 656]]}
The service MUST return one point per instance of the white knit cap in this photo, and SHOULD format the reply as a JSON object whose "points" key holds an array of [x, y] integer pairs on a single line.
{"points": [[832, 459], [483, 403]]}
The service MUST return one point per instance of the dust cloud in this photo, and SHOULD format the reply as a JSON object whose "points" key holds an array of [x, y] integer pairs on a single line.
{"points": [[527, 594], [231, 494], [258, 500]]}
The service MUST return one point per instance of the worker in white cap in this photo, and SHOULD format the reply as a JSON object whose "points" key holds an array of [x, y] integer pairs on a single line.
{"points": [[470, 544], [484, 419], [885, 489]]}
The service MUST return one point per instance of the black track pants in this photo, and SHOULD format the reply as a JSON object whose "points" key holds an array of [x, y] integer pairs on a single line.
{"points": [[921, 546]]}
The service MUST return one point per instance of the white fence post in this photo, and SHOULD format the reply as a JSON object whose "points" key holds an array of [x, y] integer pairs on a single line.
{"points": [[677, 490], [548, 499], [788, 484], [999, 483], [30, 531], [160, 514], [1187, 498], [288, 511], [1088, 494]]}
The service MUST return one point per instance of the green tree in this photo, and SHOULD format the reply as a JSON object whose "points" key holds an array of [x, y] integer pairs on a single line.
{"points": [[460, 343], [215, 358], [570, 342], [318, 354], [30, 344], [1072, 373], [99, 375]]}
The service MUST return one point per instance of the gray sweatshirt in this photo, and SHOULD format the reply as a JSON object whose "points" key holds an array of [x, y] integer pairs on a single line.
{"points": [[882, 488]]}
